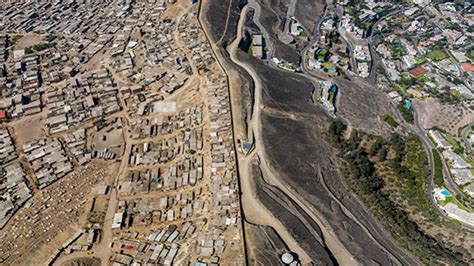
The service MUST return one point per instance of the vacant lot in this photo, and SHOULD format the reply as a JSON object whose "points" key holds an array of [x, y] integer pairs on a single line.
{"points": [[449, 117], [27, 41], [82, 262], [110, 138], [29, 128]]}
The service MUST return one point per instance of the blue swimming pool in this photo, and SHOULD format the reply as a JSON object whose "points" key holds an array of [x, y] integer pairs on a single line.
{"points": [[445, 192]]}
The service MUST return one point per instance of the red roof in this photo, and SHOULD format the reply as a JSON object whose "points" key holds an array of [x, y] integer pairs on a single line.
{"points": [[3, 115], [467, 67], [418, 71]]}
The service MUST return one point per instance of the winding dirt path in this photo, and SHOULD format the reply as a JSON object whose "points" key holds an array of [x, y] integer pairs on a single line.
{"points": [[249, 200]]}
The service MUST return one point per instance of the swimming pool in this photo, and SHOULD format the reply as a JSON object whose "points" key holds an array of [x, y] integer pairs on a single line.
{"points": [[445, 193]]}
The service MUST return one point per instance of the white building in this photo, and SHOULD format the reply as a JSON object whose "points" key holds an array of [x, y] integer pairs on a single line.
{"points": [[457, 162], [439, 140], [118, 219]]}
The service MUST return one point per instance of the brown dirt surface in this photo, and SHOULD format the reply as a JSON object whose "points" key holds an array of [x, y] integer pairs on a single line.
{"points": [[272, 17], [114, 140], [264, 245], [83, 262], [29, 128], [308, 11], [238, 78], [305, 232], [220, 27], [297, 150], [294, 140], [363, 106], [449, 117], [97, 214], [27, 41], [34, 242]]}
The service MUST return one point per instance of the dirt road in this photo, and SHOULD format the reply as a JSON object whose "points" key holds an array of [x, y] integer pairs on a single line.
{"points": [[250, 202]]}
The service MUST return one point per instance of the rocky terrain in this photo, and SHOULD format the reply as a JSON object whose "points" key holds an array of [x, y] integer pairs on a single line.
{"points": [[294, 140], [298, 151], [268, 245], [305, 11], [82, 262], [301, 227], [363, 106], [448, 117]]}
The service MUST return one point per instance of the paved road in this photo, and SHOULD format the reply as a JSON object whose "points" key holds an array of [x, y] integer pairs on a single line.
{"points": [[349, 44], [464, 133], [372, 42], [420, 132], [286, 36], [245, 163], [453, 60], [449, 182], [417, 129], [428, 145], [304, 52], [333, 242]]}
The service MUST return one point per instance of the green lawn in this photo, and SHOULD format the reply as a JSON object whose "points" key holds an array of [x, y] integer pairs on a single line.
{"points": [[438, 174], [420, 60], [471, 162], [390, 120], [328, 65], [379, 10], [42, 46], [319, 95], [407, 114], [17, 37], [422, 79], [437, 55], [331, 96], [456, 146], [38, 47], [401, 88], [456, 94], [250, 50], [471, 54], [321, 54], [455, 201]]}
